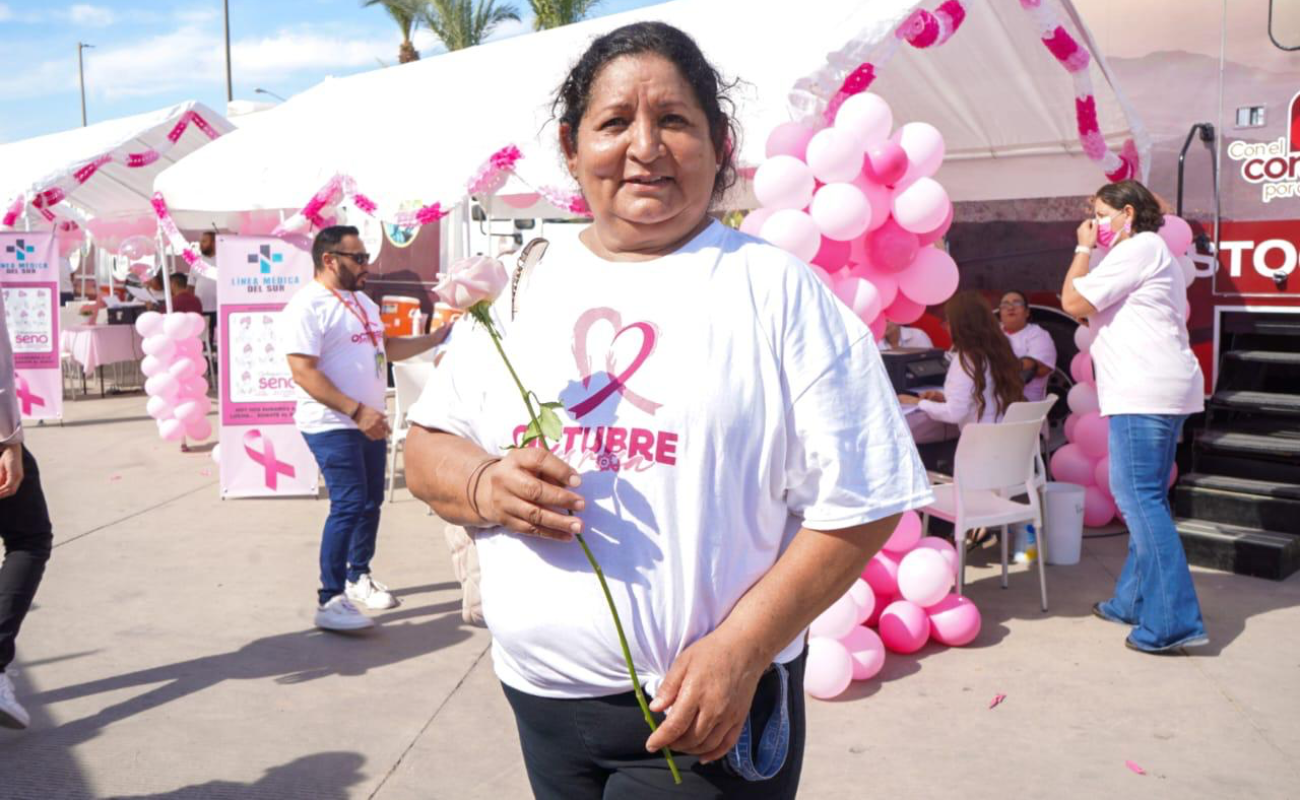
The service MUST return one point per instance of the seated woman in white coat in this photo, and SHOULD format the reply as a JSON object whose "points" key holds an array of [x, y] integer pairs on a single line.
{"points": [[983, 378]]}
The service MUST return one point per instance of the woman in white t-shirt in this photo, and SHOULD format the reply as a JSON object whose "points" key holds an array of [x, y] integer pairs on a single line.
{"points": [[1148, 382], [983, 377], [730, 451], [1031, 344]]}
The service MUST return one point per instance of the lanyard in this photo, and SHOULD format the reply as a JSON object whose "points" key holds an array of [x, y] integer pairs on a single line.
{"points": [[361, 315]]}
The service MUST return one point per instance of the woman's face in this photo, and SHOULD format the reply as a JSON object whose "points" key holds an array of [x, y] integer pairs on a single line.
{"points": [[644, 157], [1120, 218], [1013, 312]]}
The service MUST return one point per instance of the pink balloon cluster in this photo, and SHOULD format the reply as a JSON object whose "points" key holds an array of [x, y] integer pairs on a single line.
{"points": [[1085, 461], [862, 207], [903, 599], [109, 234], [174, 367]]}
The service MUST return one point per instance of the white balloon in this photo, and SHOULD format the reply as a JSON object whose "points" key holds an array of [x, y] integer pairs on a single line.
{"points": [[1083, 336], [1189, 269], [1082, 399], [867, 116]]}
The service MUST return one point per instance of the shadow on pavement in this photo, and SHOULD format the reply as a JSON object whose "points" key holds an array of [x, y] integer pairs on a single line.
{"points": [[323, 776]]}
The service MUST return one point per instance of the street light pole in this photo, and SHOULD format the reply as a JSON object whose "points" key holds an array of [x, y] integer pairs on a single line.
{"points": [[81, 77], [230, 88], [268, 92]]}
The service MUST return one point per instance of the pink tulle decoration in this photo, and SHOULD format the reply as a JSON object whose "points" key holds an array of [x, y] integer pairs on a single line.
{"points": [[16, 208], [955, 12], [1085, 112], [136, 160], [430, 214], [1094, 146], [491, 174], [1061, 44], [506, 157], [178, 129], [190, 256], [50, 197], [572, 202], [202, 124], [1129, 162], [82, 175], [159, 205], [1028, 4], [919, 30], [364, 203]]}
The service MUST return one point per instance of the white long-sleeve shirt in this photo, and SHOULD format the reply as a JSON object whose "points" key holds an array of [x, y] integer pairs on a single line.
{"points": [[959, 406], [11, 424]]}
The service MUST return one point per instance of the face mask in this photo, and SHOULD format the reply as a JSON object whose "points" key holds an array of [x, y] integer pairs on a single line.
{"points": [[1106, 234]]}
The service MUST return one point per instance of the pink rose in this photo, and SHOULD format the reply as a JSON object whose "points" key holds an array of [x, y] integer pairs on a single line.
{"points": [[471, 281]]}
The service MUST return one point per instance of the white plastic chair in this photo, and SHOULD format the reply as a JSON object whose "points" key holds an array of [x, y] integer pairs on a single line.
{"points": [[409, 378], [991, 460]]}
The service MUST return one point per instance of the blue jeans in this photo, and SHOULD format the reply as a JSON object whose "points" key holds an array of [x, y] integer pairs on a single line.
{"points": [[353, 466], [1154, 592]]}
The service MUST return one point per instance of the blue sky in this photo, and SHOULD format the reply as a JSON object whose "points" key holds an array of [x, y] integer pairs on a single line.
{"points": [[151, 54]]}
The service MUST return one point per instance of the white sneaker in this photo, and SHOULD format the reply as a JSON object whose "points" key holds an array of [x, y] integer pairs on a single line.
{"points": [[373, 594], [12, 713], [340, 615]]}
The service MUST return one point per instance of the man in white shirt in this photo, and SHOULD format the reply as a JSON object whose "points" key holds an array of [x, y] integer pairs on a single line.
{"points": [[898, 337], [1031, 344], [334, 338]]}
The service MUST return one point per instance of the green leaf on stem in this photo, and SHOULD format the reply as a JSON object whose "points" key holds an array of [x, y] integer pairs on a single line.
{"points": [[556, 404], [552, 428]]}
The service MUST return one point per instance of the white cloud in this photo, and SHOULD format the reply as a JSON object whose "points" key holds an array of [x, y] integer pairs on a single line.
{"points": [[6, 13], [93, 16]]}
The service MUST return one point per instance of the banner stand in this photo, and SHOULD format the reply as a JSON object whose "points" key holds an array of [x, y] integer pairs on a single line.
{"points": [[29, 287]]}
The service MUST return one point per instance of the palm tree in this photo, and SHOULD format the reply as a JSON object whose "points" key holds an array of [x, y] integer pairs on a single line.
{"points": [[465, 23], [554, 13], [407, 14]]}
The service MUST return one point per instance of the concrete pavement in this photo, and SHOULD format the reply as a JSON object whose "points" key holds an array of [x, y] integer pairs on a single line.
{"points": [[172, 655]]}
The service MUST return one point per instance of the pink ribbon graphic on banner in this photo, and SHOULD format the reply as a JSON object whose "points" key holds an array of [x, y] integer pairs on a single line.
{"points": [[272, 468], [26, 396], [617, 382]]}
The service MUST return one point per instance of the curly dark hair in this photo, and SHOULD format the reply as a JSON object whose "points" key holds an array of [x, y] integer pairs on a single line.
{"points": [[981, 346], [679, 49], [1147, 215]]}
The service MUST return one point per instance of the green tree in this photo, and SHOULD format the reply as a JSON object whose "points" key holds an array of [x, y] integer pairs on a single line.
{"points": [[554, 13], [465, 23], [407, 14]]}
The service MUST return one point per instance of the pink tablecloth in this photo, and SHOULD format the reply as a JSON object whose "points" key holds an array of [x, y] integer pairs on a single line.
{"points": [[93, 346]]}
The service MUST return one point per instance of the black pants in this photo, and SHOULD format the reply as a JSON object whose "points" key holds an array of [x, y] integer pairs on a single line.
{"points": [[594, 749], [28, 538]]}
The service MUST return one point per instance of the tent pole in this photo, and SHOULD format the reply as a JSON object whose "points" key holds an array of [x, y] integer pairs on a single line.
{"points": [[166, 274]]}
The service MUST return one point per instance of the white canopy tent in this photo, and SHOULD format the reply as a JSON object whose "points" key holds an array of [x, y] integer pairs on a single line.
{"points": [[414, 134], [115, 190]]}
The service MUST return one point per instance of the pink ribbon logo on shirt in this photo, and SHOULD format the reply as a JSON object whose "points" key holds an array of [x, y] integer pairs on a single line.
{"points": [[272, 468], [617, 381], [25, 395]]}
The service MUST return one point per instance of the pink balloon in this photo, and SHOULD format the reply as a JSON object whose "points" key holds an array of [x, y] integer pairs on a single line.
{"points": [[832, 254], [836, 622], [924, 147], [1177, 234], [841, 211], [880, 603], [794, 232], [924, 577], [1098, 508], [954, 621], [921, 207], [906, 533], [789, 139], [1082, 398], [878, 327], [1071, 422], [1093, 435], [152, 365], [171, 430], [828, 670], [199, 430], [160, 347], [880, 198], [822, 275], [904, 311], [196, 387], [176, 325], [834, 155], [1071, 465], [886, 283], [904, 627], [882, 573], [864, 599], [867, 652], [861, 297], [784, 182], [886, 163], [189, 412], [1101, 475], [162, 385], [753, 222], [1083, 336], [943, 547], [183, 368], [197, 323], [866, 116], [192, 348], [930, 237], [931, 279], [890, 248], [149, 324], [158, 408], [1081, 369]]}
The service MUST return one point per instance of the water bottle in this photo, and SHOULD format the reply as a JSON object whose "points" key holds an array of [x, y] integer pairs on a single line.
{"points": [[1026, 549]]}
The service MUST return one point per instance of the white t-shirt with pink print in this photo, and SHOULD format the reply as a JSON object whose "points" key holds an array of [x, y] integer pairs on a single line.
{"points": [[714, 400]]}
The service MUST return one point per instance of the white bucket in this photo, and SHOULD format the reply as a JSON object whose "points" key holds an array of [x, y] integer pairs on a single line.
{"points": [[1063, 515]]}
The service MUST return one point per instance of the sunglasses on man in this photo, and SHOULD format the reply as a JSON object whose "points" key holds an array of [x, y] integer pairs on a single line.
{"points": [[361, 259]]}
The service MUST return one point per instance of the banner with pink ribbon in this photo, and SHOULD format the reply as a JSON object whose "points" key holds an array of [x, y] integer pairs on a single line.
{"points": [[29, 285], [262, 453]]}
